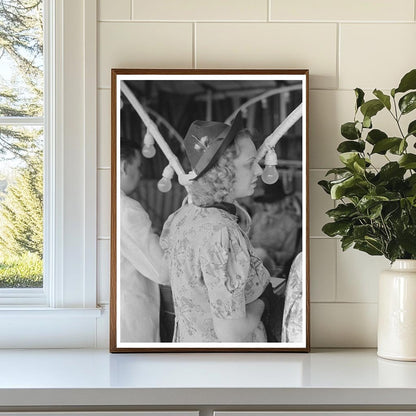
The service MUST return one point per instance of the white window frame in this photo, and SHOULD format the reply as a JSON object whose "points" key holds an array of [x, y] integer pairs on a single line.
{"points": [[64, 313]]}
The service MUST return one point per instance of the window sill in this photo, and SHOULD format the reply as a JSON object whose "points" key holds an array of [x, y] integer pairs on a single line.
{"points": [[37, 312], [40, 327]]}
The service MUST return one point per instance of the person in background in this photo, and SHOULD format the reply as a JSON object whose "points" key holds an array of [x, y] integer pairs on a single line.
{"points": [[220, 288], [142, 267], [275, 229], [292, 323]]}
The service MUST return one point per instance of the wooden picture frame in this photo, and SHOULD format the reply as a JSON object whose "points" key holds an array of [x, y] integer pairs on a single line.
{"points": [[172, 100]]}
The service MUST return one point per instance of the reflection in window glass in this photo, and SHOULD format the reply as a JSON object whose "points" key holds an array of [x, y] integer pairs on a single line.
{"points": [[21, 143]]}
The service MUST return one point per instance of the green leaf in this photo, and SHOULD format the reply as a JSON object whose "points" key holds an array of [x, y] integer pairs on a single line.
{"points": [[347, 187], [408, 102], [369, 201], [359, 165], [408, 82], [375, 136], [408, 161], [400, 148], [368, 248], [361, 231], [367, 122], [349, 131], [375, 211], [338, 171], [407, 239], [385, 99], [383, 145], [411, 180], [336, 228], [393, 250], [342, 211], [391, 212], [349, 146], [325, 186], [348, 158], [391, 170], [374, 242], [393, 92], [346, 242], [371, 108], [340, 180], [411, 130], [359, 95]]}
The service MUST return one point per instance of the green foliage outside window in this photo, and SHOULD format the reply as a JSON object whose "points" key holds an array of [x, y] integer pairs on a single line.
{"points": [[21, 147]]}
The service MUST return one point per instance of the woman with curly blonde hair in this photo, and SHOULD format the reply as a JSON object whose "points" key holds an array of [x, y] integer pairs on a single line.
{"points": [[220, 288]]}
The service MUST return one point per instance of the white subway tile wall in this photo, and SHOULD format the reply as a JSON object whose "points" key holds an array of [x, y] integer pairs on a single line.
{"points": [[338, 325], [104, 203], [345, 44], [142, 45], [114, 10], [323, 269], [328, 109], [104, 129], [270, 45], [375, 55], [200, 10], [103, 271], [357, 275], [329, 10]]}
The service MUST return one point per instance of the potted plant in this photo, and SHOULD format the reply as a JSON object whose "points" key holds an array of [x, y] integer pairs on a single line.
{"points": [[376, 209]]}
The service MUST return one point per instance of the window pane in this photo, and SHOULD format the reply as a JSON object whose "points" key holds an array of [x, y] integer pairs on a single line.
{"points": [[21, 58], [21, 207]]}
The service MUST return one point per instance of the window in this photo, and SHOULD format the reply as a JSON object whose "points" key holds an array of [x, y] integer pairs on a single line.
{"points": [[22, 128], [63, 312]]}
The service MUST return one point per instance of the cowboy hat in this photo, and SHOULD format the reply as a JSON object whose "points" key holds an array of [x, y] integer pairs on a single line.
{"points": [[206, 141]]}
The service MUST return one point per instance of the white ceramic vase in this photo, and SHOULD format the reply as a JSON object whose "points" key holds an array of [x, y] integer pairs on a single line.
{"points": [[397, 312]]}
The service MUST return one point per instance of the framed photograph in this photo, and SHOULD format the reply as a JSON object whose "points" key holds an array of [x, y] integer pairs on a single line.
{"points": [[209, 211]]}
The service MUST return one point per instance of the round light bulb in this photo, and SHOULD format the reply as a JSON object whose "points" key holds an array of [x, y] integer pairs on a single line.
{"points": [[164, 185], [148, 151], [270, 175]]}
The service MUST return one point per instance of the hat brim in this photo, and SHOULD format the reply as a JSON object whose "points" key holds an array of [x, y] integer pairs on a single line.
{"points": [[210, 158]]}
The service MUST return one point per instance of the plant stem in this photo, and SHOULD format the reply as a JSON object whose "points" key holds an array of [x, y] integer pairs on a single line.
{"points": [[397, 118]]}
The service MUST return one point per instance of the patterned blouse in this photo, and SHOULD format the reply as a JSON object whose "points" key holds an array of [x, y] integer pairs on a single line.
{"points": [[292, 325], [213, 271]]}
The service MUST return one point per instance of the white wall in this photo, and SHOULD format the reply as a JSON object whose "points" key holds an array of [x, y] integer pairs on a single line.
{"points": [[345, 44]]}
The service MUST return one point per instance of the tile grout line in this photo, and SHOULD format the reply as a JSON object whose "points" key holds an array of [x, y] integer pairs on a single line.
{"points": [[131, 9], [127, 20], [307, 22], [345, 302], [269, 10], [338, 66], [336, 271], [194, 63]]}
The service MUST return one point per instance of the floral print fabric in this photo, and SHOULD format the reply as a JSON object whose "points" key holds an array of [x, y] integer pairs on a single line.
{"points": [[292, 326], [213, 271]]}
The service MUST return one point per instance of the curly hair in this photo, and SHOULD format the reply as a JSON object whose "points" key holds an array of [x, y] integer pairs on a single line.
{"points": [[128, 150], [214, 186]]}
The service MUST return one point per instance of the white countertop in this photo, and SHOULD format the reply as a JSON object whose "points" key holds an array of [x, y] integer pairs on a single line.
{"points": [[96, 377]]}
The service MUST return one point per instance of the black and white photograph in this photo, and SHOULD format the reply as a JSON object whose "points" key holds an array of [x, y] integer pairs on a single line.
{"points": [[209, 211]]}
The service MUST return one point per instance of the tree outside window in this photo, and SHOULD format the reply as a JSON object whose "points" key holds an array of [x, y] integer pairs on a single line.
{"points": [[21, 143]]}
